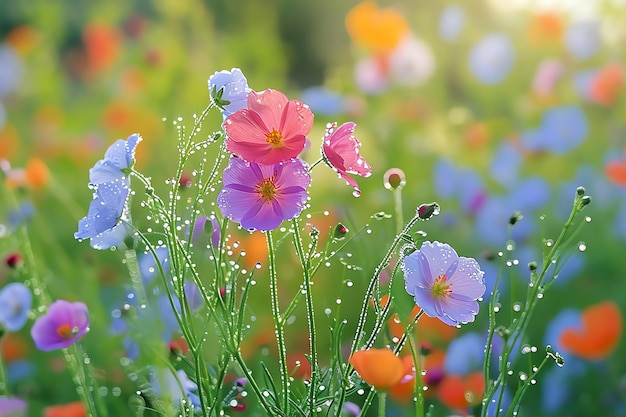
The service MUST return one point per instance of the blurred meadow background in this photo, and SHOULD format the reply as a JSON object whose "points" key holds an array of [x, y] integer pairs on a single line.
{"points": [[487, 107]]}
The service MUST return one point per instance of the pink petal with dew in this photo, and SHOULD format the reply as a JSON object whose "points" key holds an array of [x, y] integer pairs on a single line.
{"points": [[297, 120], [342, 149], [269, 106]]}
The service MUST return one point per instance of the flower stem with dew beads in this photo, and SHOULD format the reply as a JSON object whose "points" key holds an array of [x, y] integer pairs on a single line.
{"points": [[278, 323], [307, 286]]}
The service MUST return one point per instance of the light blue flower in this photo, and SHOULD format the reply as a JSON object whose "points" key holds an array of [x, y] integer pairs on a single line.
{"points": [[109, 179], [492, 58], [15, 302], [229, 90], [148, 265], [323, 101], [582, 39], [505, 164], [451, 22]]}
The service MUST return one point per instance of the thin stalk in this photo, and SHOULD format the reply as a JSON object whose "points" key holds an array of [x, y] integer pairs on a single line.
{"points": [[372, 284], [418, 390], [307, 285], [278, 323], [74, 364], [382, 400], [4, 386]]}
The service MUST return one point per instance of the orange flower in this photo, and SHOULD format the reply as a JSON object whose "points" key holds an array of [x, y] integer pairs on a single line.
{"points": [[432, 329], [378, 367], [545, 28], [402, 392], [476, 135], [615, 171], [102, 45], [9, 141], [600, 332], [37, 173], [379, 30], [22, 38], [12, 347], [458, 392], [606, 85], [73, 409]]}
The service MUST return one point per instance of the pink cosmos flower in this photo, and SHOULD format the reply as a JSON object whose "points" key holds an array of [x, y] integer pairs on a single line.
{"points": [[262, 196], [61, 326], [341, 150], [272, 129]]}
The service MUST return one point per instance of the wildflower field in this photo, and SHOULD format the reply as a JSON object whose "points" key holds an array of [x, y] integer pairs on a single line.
{"points": [[312, 208]]}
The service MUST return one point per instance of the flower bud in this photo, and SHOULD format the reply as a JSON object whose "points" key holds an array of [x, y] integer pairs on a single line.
{"points": [[340, 232], [14, 260], [394, 179], [426, 211], [515, 217], [584, 200]]}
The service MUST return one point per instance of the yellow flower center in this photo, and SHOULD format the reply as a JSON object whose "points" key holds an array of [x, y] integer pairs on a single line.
{"points": [[275, 138], [65, 331], [441, 288], [267, 189]]}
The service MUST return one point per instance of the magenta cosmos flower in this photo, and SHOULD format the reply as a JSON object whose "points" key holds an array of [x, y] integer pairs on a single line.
{"points": [[341, 150], [272, 129], [63, 324], [444, 285], [262, 196]]}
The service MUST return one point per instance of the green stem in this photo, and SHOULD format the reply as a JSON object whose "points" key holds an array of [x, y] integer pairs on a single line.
{"points": [[418, 390], [74, 361], [382, 400], [255, 387], [4, 386], [520, 326], [397, 202], [132, 265], [372, 284], [314, 164], [278, 323], [307, 286]]}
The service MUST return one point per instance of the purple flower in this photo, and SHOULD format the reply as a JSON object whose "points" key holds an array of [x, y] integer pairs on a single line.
{"points": [[261, 196], [444, 285], [229, 90], [63, 324], [492, 58], [15, 301], [110, 181], [12, 407]]}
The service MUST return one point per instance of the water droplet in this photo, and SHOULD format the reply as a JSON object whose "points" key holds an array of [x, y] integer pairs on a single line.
{"points": [[582, 246]]}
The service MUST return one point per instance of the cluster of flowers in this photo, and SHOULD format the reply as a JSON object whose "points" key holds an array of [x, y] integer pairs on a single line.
{"points": [[265, 181]]}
